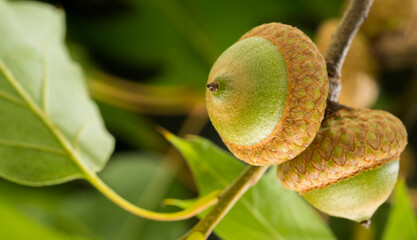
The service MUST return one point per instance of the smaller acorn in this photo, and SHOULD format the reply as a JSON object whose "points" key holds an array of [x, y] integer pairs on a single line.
{"points": [[266, 94], [352, 165]]}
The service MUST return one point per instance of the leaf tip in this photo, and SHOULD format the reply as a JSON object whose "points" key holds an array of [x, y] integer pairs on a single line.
{"points": [[167, 134]]}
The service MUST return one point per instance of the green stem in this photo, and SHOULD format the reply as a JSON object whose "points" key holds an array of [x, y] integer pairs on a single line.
{"points": [[227, 200], [199, 206]]}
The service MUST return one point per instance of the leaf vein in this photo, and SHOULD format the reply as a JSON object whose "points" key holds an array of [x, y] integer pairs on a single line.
{"points": [[31, 147], [80, 131], [46, 120], [12, 99], [45, 78]]}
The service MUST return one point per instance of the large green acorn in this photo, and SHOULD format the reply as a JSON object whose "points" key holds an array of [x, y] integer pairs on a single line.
{"points": [[266, 94], [352, 165]]}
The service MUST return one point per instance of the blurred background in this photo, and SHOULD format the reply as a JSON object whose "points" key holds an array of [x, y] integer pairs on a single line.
{"points": [[146, 63]]}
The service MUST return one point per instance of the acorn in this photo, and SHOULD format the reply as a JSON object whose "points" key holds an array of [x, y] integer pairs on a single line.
{"points": [[352, 165], [359, 86], [266, 94]]}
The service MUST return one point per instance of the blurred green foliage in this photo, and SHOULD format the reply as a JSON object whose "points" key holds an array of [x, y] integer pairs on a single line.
{"points": [[177, 41]]}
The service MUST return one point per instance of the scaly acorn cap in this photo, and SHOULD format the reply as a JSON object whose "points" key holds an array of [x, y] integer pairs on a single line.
{"points": [[351, 167], [266, 94], [350, 141]]}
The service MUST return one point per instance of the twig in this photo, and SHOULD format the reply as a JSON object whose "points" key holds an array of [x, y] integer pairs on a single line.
{"points": [[335, 55], [228, 198]]}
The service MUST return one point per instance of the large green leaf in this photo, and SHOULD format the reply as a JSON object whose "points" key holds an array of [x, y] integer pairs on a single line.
{"points": [[402, 223], [266, 211], [50, 130]]}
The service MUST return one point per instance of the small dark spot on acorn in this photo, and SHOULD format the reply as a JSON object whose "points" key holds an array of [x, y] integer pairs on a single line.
{"points": [[366, 223], [213, 87]]}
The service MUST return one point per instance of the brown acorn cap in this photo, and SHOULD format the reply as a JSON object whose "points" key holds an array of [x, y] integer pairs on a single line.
{"points": [[305, 102], [349, 142]]}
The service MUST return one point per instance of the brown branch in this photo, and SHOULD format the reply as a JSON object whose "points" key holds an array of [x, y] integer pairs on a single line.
{"points": [[227, 200], [335, 55]]}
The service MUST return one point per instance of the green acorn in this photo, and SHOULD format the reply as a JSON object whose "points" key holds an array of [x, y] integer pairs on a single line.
{"points": [[266, 94], [351, 167]]}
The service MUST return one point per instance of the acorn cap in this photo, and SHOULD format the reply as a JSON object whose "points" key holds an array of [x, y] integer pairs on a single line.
{"points": [[350, 141], [267, 94]]}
